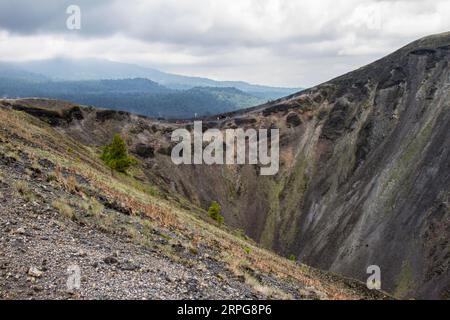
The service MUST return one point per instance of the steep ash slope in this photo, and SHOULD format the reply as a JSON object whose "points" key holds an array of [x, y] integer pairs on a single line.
{"points": [[364, 174], [371, 180], [370, 183], [379, 190], [61, 210]]}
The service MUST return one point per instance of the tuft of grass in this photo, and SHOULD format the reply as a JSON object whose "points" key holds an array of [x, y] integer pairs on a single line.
{"points": [[71, 184], [193, 250], [51, 177], [58, 173], [96, 207], [22, 188], [241, 234], [147, 225], [132, 232], [269, 292], [12, 155], [92, 207], [28, 172], [35, 166], [64, 208], [107, 222]]}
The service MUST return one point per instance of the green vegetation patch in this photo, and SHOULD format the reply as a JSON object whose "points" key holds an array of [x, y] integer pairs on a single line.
{"points": [[115, 155]]}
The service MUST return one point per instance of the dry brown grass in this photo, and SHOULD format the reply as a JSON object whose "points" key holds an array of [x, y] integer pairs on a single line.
{"points": [[71, 184], [268, 291], [133, 233], [92, 207], [22, 188], [106, 222], [159, 214], [64, 208], [50, 144]]}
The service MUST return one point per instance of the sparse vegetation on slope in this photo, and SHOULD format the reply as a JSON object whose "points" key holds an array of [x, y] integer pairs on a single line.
{"points": [[118, 231], [214, 212], [115, 155]]}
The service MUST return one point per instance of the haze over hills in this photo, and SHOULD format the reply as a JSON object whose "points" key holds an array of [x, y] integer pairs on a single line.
{"points": [[98, 69], [131, 88], [140, 96], [12, 72]]}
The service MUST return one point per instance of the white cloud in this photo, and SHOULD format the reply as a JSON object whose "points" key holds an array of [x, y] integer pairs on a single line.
{"points": [[278, 42]]}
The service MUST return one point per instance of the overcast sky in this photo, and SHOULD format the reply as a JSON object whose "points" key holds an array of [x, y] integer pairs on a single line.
{"points": [[275, 42]]}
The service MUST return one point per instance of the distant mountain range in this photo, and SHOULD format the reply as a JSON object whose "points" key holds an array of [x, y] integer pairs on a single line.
{"points": [[129, 87]]}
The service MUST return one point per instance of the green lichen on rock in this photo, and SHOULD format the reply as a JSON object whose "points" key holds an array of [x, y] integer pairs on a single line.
{"points": [[273, 214], [405, 281], [403, 170]]}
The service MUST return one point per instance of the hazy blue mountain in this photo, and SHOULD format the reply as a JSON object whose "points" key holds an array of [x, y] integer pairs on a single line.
{"points": [[96, 69], [123, 86], [129, 87], [138, 95], [11, 71]]}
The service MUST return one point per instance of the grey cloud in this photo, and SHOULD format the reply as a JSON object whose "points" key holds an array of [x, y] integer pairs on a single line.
{"points": [[44, 16], [224, 38]]}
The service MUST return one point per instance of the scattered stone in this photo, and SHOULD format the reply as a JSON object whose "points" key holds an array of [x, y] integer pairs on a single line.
{"points": [[115, 268], [37, 288], [35, 272], [110, 260], [20, 230], [128, 266], [81, 253]]}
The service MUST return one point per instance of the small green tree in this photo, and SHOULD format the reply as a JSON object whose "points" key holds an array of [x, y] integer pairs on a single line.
{"points": [[214, 212], [115, 155]]}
